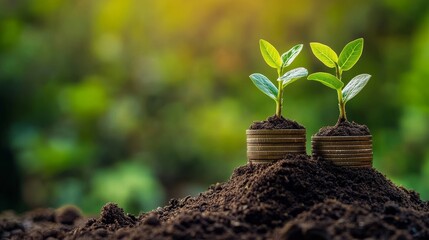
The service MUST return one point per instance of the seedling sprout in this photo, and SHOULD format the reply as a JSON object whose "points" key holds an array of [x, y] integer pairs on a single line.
{"points": [[347, 59], [280, 63]]}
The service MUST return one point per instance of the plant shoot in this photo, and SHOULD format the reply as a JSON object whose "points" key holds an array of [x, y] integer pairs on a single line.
{"points": [[347, 59], [280, 63]]}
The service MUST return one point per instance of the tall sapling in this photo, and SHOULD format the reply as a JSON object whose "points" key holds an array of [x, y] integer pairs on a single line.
{"points": [[274, 60], [347, 59]]}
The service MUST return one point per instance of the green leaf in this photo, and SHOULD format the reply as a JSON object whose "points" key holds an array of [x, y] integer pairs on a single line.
{"points": [[289, 56], [325, 54], [265, 85], [292, 75], [350, 54], [270, 54], [355, 86], [327, 80]]}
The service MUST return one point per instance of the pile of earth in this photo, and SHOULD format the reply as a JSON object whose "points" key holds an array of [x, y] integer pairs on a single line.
{"points": [[294, 198], [275, 122]]}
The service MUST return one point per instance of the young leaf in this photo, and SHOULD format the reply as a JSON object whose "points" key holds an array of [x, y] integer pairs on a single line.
{"points": [[324, 53], [327, 80], [290, 55], [292, 75], [265, 85], [350, 54], [270, 54], [355, 86]]}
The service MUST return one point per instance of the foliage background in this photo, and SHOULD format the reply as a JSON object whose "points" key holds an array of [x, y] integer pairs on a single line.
{"points": [[138, 101]]}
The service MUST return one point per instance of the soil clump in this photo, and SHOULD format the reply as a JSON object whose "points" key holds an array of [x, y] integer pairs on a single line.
{"points": [[294, 198], [275, 122], [344, 129]]}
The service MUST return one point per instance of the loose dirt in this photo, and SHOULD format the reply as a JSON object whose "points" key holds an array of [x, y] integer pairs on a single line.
{"points": [[344, 129], [275, 122], [295, 198]]}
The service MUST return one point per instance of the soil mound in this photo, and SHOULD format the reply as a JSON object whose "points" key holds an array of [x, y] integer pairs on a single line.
{"points": [[40, 223], [296, 198], [344, 129], [275, 122], [345, 221]]}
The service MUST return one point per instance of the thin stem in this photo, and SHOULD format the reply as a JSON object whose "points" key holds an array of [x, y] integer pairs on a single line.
{"points": [[341, 105], [279, 102]]}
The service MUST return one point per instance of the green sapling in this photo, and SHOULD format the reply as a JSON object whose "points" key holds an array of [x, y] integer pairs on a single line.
{"points": [[274, 60], [347, 59]]}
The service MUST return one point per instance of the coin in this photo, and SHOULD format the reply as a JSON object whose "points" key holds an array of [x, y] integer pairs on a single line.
{"points": [[349, 143], [342, 147], [276, 131], [275, 140], [340, 152], [272, 157], [342, 161], [341, 138], [296, 147], [273, 154], [261, 161], [275, 136]]}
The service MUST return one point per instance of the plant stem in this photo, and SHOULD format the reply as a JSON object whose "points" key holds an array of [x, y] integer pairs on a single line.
{"points": [[279, 102], [342, 107], [341, 104]]}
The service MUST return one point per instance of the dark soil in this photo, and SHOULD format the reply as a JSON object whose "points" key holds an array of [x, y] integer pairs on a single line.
{"points": [[40, 223], [296, 198], [275, 122], [344, 129]]}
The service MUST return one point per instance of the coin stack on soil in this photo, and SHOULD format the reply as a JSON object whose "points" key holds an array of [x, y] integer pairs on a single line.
{"points": [[267, 145], [350, 151]]}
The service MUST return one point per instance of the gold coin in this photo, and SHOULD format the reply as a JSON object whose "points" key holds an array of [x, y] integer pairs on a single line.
{"points": [[346, 159], [352, 163], [261, 161], [362, 166], [270, 154], [348, 143], [275, 136], [354, 159], [342, 147], [273, 157], [342, 152], [341, 138], [275, 140], [276, 148], [276, 131]]}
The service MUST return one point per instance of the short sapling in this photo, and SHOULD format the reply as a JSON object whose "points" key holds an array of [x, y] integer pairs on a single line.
{"points": [[347, 59], [280, 63]]}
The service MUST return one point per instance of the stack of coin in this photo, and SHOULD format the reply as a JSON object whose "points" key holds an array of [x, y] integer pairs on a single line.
{"points": [[349, 151], [268, 145]]}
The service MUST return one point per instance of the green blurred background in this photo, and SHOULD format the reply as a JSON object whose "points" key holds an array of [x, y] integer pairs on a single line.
{"points": [[137, 101]]}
